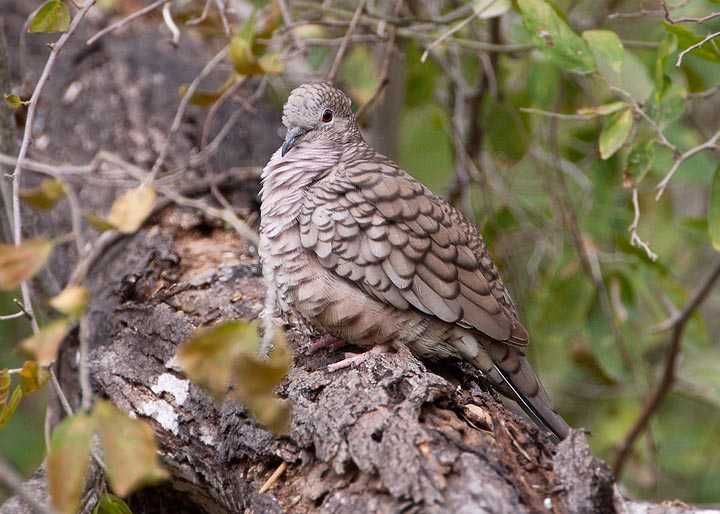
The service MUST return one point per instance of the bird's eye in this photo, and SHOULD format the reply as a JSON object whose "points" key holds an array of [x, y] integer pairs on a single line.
{"points": [[327, 116]]}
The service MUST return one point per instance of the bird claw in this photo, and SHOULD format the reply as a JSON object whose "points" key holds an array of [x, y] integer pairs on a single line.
{"points": [[326, 341], [353, 359]]}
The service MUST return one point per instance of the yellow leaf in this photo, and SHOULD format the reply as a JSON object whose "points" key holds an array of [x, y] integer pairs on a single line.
{"points": [[68, 462], [44, 345], [130, 450], [97, 222], [4, 386], [32, 377], [19, 263], [7, 410], [44, 196], [14, 101], [130, 209], [207, 358], [71, 301], [256, 378]]}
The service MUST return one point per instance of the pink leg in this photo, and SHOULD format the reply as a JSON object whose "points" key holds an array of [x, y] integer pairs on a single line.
{"points": [[353, 359], [326, 341]]}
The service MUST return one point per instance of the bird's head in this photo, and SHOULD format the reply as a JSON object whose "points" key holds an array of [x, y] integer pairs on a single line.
{"points": [[316, 111]]}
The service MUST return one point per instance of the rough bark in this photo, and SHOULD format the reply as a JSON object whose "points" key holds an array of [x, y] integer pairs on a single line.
{"points": [[389, 436]]}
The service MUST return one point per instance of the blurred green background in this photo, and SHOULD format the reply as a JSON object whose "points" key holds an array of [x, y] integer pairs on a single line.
{"points": [[554, 212]]}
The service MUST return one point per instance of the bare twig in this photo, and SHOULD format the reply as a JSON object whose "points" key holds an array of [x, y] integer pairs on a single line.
{"points": [[344, 43], [273, 478], [697, 45], [171, 25], [449, 33], [85, 388], [121, 23], [27, 138], [669, 373], [710, 144], [287, 19], [559, 116], [203, 16], [177, 120], [12, 316], [390, 47], [634, 238], [666, 12], [13, 481]]}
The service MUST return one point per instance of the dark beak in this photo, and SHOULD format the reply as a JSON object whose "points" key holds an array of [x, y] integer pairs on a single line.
{"points": [[291, 140]]}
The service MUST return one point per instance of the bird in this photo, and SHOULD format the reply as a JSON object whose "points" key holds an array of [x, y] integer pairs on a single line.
{"points": [[359, 250]]}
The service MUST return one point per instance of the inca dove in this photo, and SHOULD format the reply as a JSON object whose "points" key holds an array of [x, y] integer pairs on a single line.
{"points": [[356, 247]]}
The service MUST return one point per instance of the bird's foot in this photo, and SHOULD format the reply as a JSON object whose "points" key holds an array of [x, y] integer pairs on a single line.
{"points": [[353, 359], [326, 341]]}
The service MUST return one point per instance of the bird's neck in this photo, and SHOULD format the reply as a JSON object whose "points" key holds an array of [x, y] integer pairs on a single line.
{"points": [[286, 178]]}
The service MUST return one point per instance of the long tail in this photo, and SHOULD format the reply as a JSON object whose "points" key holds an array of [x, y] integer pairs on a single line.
{"points": [[512, 375], [539, 408]]}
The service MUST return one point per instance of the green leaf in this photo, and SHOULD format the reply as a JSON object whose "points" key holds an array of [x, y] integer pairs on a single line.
{"points": [[14, 101], [672, 106], [131, 209], [72, 301], [44, 196], [20, 263], [639, 162], [668, 45], [714, 211], [68, 461], [53, 16], [97, 222], [256, 378], [555, 38], [206, 99], [32, 377], [7, 410], [606, 45], [615, 133], [686, 38], [129, 448], [111, 504], [491, 8], [207, 358], [44, 345]]}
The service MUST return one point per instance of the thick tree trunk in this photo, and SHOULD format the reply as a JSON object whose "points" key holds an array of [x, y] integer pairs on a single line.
{"points": [[389, 436]]}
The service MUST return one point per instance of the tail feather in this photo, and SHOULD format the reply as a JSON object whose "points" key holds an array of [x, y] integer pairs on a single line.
{"points": [[539, 409], [512, 375]]}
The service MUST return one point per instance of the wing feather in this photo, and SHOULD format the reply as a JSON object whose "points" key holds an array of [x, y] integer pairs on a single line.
{"points": [[377, 227]]}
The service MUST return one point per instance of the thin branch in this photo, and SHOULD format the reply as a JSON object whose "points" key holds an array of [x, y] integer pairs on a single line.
{"points": [[86, 395], [177, 120], [666, 11], [559, 116], [121, 23], [383, 80], [450, 32], [12, 316], [344, 43], [710, 144], [203, 16], [171, 25], [27, 138], [287, 19], [13, 481], [634, 238], [689, 49], [670, 371]]}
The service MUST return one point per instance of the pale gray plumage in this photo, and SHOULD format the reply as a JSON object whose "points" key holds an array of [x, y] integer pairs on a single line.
{"points": [[357, 248]]}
